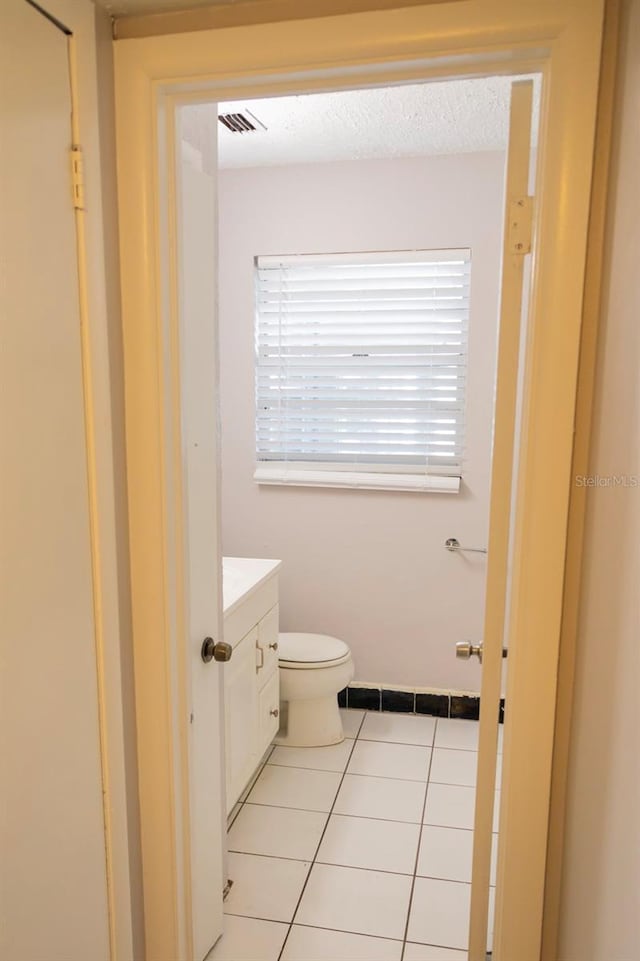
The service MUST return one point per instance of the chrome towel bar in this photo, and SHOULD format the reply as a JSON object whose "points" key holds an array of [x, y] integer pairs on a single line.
{"points": [[453, 544]]}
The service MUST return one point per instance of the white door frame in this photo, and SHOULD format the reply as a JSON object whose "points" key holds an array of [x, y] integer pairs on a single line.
{"points": [[560, 37]]}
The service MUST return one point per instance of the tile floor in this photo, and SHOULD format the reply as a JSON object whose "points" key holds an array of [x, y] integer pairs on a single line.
{"points": [[358, 852]]}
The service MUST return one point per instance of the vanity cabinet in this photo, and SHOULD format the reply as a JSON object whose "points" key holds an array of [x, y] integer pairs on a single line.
{"points": [[251, 679]]}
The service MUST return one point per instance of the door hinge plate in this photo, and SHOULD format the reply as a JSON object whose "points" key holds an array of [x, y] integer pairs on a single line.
{"points": [[520, 221], [77, 178]]}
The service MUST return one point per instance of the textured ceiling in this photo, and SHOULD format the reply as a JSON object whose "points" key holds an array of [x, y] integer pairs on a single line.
{"points": [[459, 116]]}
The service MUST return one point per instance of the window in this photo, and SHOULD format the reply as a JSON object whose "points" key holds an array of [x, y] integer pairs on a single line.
{"points": [[361, 369]]}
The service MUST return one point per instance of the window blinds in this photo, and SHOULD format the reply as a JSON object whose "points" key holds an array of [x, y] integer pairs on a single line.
{"points": [[361, 362]]}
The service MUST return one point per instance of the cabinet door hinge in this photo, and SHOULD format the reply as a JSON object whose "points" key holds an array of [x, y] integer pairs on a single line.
{"points": [[77, 178], [520, 225]]}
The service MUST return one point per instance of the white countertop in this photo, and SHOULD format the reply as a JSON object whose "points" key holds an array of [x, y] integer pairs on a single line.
{"points": [[241, 576]]}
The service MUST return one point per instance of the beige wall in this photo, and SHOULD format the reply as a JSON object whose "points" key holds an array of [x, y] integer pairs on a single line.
{"points": [[367, 566], [600, 909]]}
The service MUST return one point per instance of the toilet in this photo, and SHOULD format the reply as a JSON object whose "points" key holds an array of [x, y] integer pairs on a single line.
{"points": [[313, 668]]}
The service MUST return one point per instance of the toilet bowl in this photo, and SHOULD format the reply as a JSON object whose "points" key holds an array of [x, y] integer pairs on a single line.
{"points": [[313, 668]]}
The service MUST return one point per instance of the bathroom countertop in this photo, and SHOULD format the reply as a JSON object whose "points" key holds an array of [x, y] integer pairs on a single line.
{"points": [[241, 576]]}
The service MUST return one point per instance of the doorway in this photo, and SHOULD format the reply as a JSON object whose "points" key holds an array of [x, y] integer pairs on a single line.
{"points": [[376, 281], [161, 771]]}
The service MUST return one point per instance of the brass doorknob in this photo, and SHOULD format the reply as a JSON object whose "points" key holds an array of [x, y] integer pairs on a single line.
{"points": [[212, 651], [467, 650]]}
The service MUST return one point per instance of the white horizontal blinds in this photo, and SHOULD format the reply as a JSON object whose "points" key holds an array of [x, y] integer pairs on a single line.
{"points": [[361, 360]]}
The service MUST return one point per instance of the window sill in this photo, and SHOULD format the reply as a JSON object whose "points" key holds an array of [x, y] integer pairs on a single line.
{"points": [[280, 475]]}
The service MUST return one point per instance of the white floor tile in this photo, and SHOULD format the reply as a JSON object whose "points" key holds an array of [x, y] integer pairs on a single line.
{"points": [[450, 806], [332, 758], [461, 735], [267, 888], [453, 767], [440, 913], [457, 734], [245, 939], [398, 728], [351, 721], [381, 797], [363, 902], [277, 832], [365, 843], [445, 853], [403, 761], [318, 944], [430, 952], [295, 787]]}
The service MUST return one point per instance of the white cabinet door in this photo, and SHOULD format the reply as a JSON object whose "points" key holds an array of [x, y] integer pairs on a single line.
{"points": [[268, 644], [53, 875], [241, 716], [268, 712]]}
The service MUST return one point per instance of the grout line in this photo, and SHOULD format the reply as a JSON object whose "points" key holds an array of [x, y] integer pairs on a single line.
{"points": [[357, 934], [274, 857], [304, 886], [318, 770], [359, 867], [373, 740], [407, 780], [415, 866], [254, 917], [380, 740], [383, 777], [368, 817], [287, 807]]}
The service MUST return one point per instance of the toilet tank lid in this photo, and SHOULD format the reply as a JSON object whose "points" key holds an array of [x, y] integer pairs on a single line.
{"points": [[310, 648]]}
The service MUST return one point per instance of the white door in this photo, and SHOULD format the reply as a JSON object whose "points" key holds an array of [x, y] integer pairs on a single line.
{"points": [[197, 282], [53, 875], [516, 244]]}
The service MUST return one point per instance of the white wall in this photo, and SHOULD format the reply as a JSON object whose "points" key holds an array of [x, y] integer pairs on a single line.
{"points": [[600, 909], [369, 567]]}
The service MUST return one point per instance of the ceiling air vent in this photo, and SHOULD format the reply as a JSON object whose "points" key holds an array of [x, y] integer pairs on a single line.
{"points": [[241, 122]]}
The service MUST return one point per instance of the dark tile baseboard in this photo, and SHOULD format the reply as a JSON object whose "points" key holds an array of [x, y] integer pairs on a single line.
{"points": [[436, 704], [368, 698]]}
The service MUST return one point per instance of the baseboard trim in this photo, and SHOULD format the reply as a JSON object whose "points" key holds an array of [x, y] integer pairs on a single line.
{"points": [[436, 703]]}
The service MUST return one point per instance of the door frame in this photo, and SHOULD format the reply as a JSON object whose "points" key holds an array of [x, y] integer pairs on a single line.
{"points": [[562, 38]]}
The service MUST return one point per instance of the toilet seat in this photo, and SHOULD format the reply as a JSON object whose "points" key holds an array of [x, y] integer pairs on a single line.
{"points": [[304, 652]]}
